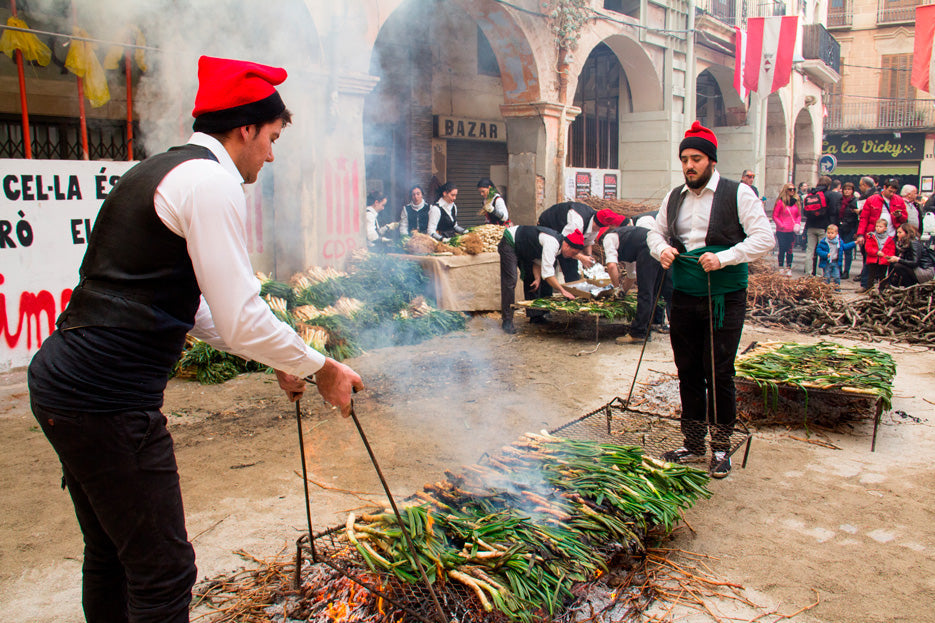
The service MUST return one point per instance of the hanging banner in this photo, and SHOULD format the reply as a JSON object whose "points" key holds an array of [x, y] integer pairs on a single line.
{"points": [[47, 209]]}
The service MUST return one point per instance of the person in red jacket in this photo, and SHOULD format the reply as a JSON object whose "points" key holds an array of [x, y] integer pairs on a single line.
{"points": [[887, 205], [880, 246]]}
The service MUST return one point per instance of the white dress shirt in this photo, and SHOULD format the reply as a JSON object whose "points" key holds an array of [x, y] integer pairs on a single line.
{"points": [[691, 226], [203, 202]]}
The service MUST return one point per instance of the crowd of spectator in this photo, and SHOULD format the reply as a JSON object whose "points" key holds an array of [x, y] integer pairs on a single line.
{"points": [[890, 225]]}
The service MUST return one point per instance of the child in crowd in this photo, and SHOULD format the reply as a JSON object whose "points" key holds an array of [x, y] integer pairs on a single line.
{"points": [[879, 247], [830, 252]]}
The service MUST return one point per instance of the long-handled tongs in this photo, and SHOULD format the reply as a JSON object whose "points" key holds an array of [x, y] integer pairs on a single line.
{"points": [[386, 488]]}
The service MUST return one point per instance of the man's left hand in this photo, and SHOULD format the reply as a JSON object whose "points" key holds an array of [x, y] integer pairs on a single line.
{"points": [[293, 386], [568, 295], [709, 262], [586, 260]]}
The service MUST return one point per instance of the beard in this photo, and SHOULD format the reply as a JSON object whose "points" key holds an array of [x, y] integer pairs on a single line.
{"points": [[702, 179]]}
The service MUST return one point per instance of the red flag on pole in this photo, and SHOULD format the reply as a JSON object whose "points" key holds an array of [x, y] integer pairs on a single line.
{"points": [[740, 47], [769, 50], [923, 71]]}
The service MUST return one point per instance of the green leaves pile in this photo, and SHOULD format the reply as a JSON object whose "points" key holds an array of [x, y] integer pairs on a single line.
{"points": [[824, 365], [522, 530], [384, 284], [606, 308]]}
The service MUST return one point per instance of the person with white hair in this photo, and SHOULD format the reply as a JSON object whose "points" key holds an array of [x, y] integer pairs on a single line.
{"points": [[910, 195]]}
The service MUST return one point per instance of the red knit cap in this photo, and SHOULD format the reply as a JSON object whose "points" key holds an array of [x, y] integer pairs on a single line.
{"points": [[610, 218], [700, 138], [235, 93], [575, 239]]}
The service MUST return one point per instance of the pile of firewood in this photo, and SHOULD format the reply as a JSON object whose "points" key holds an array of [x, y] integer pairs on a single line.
{"points": [[809, 305], [620, 206]]}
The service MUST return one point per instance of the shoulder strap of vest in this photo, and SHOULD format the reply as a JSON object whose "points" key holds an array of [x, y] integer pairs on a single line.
{"points": [[727, 189], [676, 198]]}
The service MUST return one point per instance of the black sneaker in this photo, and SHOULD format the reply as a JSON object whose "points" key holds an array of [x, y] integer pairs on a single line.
{"points": [[720, 464], [682, 455]]}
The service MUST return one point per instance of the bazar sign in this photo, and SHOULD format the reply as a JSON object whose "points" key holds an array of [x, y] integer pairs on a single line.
{"points": [[469, 129], [47, 209], [875, 147]]}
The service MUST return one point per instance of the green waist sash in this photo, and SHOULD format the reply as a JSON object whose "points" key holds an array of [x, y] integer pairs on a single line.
{"points": [[690, 278]]}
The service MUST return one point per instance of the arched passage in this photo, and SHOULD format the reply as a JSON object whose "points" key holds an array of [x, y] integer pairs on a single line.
{"points": [[804, 153]]}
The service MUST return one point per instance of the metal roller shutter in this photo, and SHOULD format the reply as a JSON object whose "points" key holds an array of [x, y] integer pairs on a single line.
{"points": [[468, 162]]}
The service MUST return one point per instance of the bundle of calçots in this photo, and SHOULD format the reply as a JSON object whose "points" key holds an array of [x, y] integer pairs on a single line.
{"points": [[611, 309], [521, 530], [368, 307], [824, 365]]}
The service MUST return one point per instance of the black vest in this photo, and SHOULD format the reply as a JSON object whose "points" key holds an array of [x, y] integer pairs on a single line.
{"points": [[556, 217], [724, 227], [527, 245], [630, 240], [446, 224], [136, 273], [418, 220], [489, 216]]}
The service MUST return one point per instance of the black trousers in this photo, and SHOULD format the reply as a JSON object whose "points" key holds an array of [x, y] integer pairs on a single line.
{"points": [[569, 266], [690, 335], [902, 276], [648, 279], [121, 473], [509, 271]]}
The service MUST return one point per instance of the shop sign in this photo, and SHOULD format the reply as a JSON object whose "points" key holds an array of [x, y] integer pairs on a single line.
{"points": [[890, 147], [469, 129]]}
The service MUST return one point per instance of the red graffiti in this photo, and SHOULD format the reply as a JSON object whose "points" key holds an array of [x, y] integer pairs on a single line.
{"points": [[31, 307], [336, 249], [343, 207]]}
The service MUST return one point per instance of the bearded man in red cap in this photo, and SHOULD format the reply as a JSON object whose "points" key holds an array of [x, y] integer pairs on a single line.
{"points": [[706, 232], [532, 251], [166, 258]]}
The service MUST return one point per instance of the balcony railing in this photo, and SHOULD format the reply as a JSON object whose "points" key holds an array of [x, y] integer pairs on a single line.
{"points": [[890, 114], [818, 43], [773, 8], [841, 18], [721, 10], [897, 11]]}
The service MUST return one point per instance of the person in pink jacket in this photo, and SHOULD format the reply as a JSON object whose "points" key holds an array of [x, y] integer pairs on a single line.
{"points": [[787, 218]]}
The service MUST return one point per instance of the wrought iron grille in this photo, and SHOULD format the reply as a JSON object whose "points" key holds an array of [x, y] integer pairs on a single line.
{"points": [[59, 138]]}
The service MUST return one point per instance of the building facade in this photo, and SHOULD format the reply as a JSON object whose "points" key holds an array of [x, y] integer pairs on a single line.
{"points": [[877, 123], [547, 99]]}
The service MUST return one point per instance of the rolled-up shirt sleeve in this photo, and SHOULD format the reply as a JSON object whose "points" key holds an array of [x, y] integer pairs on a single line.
{"points": [[550, 248], [232, 316]]}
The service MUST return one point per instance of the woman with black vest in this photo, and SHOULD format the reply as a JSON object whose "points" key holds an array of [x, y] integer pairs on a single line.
{"points": [[443, 215], [494, 209], [166, 257], [532, 251], [415, 216], [707, 231]]}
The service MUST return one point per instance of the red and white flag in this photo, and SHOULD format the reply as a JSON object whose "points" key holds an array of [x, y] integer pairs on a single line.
{"points": [[770, 44], [923, 60], [740, 60]]}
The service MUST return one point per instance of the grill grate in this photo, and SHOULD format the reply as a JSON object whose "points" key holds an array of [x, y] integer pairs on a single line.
{"points": [[617, 423]]}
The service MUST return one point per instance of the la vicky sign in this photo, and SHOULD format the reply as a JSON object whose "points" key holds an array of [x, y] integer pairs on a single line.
{"points": [[469, 129], [875, 147]]}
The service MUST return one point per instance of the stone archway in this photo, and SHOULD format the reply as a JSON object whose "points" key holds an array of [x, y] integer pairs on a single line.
{"points": [[805, 155]]}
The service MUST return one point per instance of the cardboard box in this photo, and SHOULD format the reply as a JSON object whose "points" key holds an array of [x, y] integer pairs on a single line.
{"points": [[588, 288]]}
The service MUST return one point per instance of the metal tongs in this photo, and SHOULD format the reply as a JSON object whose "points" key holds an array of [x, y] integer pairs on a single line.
{"points": [[373, 459]]}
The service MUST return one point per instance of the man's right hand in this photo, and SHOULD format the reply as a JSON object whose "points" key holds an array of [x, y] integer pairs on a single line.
{"points": [[336, 382], [668, 256]]}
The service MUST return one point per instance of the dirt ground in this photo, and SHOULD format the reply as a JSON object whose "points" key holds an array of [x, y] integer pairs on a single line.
{"points": [[803, 522]]}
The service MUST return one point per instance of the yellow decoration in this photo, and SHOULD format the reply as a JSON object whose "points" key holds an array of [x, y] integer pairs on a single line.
{"points": [[33, 49], [115, 52], [82, 62]]}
